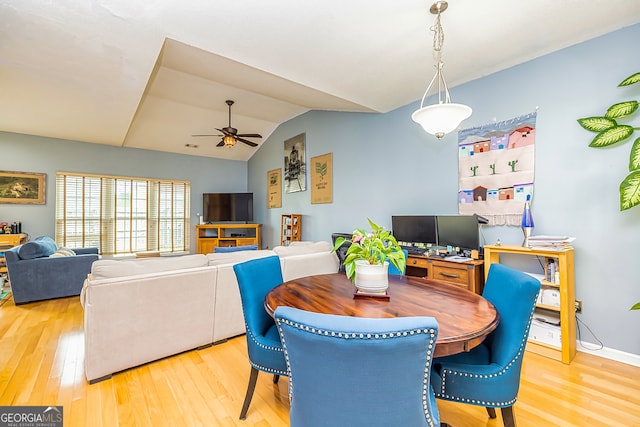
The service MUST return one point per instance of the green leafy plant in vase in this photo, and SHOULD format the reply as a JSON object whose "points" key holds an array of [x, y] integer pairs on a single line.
{"points": [[375, 247], [609, 132]]}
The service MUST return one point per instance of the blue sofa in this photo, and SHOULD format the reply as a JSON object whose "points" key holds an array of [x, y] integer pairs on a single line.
{"points": [[35, 275]]}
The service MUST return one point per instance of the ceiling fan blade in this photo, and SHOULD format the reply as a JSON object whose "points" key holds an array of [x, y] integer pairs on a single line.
{"points": [[206, 134], [249, 135], [253, 144], [223, 131], [220, 144]]}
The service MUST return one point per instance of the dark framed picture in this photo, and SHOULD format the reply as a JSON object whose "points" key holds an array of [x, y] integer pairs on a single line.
{"points": [[22, 187], [294, 164]]}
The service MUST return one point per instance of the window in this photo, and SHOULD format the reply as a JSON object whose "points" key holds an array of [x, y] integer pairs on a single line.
{"points": [[122, 215]]}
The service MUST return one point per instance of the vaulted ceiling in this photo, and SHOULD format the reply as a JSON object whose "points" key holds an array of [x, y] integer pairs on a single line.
{"points": [[149, 74]]}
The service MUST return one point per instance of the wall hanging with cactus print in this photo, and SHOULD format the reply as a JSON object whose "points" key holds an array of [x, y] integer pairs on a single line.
{"points": [[609, 132], [496, 169]]}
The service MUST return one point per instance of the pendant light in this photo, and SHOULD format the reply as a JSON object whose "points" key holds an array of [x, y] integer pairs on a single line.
{"points": [[441, 118]]}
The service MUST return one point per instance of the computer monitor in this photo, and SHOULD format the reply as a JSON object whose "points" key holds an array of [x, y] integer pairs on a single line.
{"points": [[414, 228], [459, 231]]}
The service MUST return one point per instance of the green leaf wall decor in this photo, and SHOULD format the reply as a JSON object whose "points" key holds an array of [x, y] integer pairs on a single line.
{"points": [[630, 191], [611, 136], [622, 109], [634, 158], [610, 132], [635, 78], [597, 124]]}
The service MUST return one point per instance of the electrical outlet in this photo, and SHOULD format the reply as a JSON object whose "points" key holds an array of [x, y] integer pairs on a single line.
{"points": [[578, 306]]}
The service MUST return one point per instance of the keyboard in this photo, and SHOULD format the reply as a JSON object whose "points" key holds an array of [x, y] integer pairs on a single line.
{"points": [[413, 250]]}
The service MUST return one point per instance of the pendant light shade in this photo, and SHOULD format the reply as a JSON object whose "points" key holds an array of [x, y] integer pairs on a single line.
{"points": [[444, 117], [440, 119]]}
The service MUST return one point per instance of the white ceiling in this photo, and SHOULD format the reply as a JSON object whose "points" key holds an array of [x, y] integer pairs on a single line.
{"points": [[149, 74]]}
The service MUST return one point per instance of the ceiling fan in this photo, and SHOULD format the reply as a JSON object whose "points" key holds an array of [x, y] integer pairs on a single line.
{"points": [[230, 135]]}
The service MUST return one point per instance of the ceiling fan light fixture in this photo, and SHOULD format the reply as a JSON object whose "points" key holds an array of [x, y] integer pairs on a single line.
{"points": [[445, 116], [229, 141], [230, 134]]}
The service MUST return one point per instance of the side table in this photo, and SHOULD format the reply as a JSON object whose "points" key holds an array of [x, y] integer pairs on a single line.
{"points": [[8, 241]]}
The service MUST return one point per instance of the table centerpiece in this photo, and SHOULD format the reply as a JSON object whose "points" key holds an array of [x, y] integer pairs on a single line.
{"points": [[368, 257]]}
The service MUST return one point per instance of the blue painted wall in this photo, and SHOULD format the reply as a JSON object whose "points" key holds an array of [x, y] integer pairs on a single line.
{"points": [[384, 164], [49, 155]]}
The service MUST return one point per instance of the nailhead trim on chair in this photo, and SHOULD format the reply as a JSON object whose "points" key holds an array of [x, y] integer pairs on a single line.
{"points": [[351, 335], [266, 347], [442, 394]]}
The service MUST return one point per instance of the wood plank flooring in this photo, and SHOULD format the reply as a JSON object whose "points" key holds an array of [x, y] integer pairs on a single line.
{"points": [[42, 363]]}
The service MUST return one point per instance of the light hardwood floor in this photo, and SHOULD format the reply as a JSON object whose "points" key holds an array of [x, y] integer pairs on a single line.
{"points": [[41, 363]]}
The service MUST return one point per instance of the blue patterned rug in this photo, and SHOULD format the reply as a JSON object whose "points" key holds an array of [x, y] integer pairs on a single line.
{"points": [[4, 294]]}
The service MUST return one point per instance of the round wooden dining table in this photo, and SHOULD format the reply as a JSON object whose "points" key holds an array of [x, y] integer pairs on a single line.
{"points": [[464, 318]]}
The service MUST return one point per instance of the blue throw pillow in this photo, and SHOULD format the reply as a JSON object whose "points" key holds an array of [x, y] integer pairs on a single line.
{"points": [[39, 247], [223, 249]]}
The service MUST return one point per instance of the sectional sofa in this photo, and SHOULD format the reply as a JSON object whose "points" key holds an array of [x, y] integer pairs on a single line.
{"points": [[138, 311]]}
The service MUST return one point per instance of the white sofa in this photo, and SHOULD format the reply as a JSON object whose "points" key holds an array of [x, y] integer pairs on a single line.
{"points": [[138, 311]]}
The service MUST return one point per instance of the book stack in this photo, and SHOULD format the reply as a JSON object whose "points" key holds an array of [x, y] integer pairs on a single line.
{"points": [[550, 243]]}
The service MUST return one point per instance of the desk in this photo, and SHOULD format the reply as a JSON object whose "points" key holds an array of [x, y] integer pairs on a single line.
{"points": [[464, 318], [466, 274], [8, 241]]}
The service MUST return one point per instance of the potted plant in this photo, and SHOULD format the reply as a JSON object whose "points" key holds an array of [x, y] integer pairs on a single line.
{"points": [[371, 250], [609, 132]]}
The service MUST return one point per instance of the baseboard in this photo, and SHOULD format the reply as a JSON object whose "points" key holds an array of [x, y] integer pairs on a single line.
{"points": [[609, 353]]}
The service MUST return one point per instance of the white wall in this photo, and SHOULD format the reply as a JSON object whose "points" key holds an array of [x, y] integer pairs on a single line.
{"points": [[384, 164]]}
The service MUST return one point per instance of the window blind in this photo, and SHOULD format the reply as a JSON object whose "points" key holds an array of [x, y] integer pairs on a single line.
{"points": [[122, 215]]}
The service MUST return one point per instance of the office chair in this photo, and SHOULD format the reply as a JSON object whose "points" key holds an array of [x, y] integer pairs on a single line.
{"points": [[342, 250], [489, 375], [357, 372], [255, 279]]}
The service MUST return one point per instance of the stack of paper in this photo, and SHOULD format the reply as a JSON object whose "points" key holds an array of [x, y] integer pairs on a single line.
{"points": [[457, 258], [550, 243]]}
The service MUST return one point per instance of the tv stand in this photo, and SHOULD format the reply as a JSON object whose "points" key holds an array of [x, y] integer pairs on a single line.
{"points": [[210, 236]]}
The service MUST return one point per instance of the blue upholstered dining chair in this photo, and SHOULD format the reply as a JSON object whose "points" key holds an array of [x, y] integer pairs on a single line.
{"points": [[255, 279], [357, 372], [489, 375], [392, 268]]}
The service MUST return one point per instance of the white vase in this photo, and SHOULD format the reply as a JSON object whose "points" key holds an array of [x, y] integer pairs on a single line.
{"points": [[372, 278]]}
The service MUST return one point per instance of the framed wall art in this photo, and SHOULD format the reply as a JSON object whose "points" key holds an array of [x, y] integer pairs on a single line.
{"points": [[322, 178], [274, 188], [22, 187], [294, 164]]}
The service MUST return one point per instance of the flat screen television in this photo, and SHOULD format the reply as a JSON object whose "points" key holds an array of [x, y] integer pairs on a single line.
{"points": [[227, 207], [459, 231], [414, 228]]}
